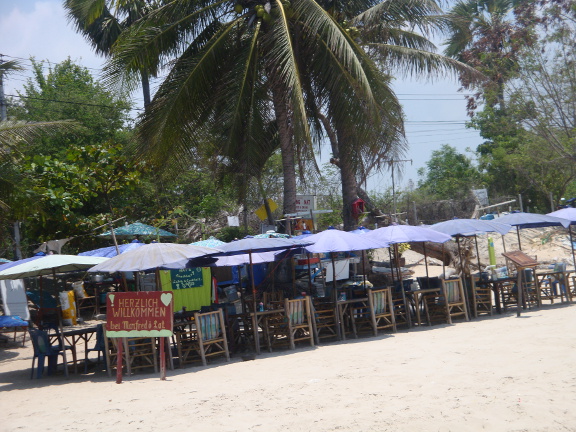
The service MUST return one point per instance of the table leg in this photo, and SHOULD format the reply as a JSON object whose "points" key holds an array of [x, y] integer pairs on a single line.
{"points": [[256, 336]]}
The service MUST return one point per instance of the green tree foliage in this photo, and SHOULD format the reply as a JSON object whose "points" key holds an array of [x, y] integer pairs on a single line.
{"points": [[449, 174]]}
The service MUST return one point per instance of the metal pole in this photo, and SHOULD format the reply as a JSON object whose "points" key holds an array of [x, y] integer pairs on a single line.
{"points": [[518, 234]]}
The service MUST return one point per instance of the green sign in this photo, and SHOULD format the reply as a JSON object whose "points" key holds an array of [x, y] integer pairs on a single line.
{"points": [[186, 278]]}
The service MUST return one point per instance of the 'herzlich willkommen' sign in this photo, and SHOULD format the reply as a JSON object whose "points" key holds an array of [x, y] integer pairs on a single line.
{"points": [[148, 314]]}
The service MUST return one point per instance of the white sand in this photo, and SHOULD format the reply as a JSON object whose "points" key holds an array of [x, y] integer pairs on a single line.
{"points": [[498, 373]]}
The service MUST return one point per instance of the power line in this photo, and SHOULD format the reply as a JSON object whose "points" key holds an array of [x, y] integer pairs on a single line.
{"points": [[66, 102]]}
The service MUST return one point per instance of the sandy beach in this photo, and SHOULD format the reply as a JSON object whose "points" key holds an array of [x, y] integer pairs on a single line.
{"points": [[499, 373]]}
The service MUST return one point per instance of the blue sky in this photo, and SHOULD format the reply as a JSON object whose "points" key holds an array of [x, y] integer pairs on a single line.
{"points": [[435, 111]]}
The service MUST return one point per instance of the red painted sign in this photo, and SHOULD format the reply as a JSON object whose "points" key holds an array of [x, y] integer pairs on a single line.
{"points": [[147, 313]]}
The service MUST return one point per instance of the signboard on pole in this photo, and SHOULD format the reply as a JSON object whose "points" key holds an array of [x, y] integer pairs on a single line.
{"points": [[139, 314], [305, 203]]}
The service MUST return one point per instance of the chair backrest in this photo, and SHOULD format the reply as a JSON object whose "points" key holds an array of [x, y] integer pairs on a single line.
{"points": [[209, 324], [14, 299], [100, 345], [295, 310], [452, 290], [429, 282], [379, 300], [40, 342]]}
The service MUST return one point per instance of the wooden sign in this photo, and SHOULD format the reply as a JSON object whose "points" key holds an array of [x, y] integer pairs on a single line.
{"points": [[139, 314], [520, 259]]}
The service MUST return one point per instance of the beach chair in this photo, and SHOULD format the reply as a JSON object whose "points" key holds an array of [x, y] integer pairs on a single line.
{"points": [[554, 285], [50, 320], [451, 303], [99, 347], [382, 309], [401, 308], [300, 328], [140, 353], [42, 350], [324, 321], [481, 297], [211, 335]]}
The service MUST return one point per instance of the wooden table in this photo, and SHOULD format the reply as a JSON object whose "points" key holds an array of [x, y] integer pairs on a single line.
{"points": [[259, 318], [345, 310], [558, 276], [75, 335], [417, 298]]}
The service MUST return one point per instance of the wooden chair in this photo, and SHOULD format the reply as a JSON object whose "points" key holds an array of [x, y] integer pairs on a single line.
{"points": [[299, 321], [555, 284], [402, 313], [211, 335], [324, 322], [382, 309], [187, 343], [451, 303], [141, 353], [84, 300], [481, 297]]}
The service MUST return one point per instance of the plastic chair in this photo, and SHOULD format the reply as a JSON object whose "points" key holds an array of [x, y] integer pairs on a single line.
{"points": [[99, 347], [43, 349]]}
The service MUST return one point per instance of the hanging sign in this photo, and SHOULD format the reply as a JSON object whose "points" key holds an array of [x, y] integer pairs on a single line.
{"points": [[139, 314]]}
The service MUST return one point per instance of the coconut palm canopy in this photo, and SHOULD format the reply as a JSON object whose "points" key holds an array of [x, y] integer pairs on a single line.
{"points": [[248, 77]]}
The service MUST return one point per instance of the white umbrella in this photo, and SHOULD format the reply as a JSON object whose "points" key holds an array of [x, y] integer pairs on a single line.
{"points": [[50, 264], [152, 256]]}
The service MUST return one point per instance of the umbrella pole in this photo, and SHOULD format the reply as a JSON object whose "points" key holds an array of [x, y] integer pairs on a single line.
{"points": [[309, 273], [391, 268], [572, 245], [252, 281], [402, 290], [478, 254], [41, 294], [335, 298], [124, 282], [518, 234], [460, 255], [426, 263]]}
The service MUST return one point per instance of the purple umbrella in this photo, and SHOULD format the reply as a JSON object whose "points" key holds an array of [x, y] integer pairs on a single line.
{"points": [[361, 230], [531, 220], [568, 214], [395, 234], [111, 251]]}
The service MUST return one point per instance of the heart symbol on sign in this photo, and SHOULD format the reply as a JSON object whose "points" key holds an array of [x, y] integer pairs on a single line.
{"points": [[166, 298], [111, 297]]}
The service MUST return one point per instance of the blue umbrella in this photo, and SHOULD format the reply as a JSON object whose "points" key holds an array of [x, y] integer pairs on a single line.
{"points": [[361, 230], [395, 234], [467, 227], [110, 251], [407, 233], [531, 220], [138, 229], [4, 261], [569, 214], [212, 242]]}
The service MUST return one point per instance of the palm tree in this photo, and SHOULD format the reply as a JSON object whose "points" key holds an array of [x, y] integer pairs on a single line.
{"points": [[239, 66], [102, 25], [484, 36]]}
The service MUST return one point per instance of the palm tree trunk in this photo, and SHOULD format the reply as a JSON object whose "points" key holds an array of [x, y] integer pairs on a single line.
{"points": [[145, 87], [286, 148], [348, 178]]}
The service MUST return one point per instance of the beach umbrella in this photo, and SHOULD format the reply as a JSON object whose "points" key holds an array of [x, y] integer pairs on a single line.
{"points": [[531, 220], [395, 234], [467, 227], [138, 229], [332, 241], [112, 251], [251, 245], [48, 264], [361, 230], [569, 214], [212, 242], [153, 256], [4, 261], [271, 234]]}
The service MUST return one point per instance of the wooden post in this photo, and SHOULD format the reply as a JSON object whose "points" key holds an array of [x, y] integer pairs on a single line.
{"points": [[119, 361], [162, 360]]}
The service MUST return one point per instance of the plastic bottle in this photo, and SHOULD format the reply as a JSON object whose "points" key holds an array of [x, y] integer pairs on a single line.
{"points": [[261, 307]]}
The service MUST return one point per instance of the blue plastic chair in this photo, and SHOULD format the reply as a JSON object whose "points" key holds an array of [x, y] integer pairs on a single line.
{"points": [[99, 347], [43, 350]]}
